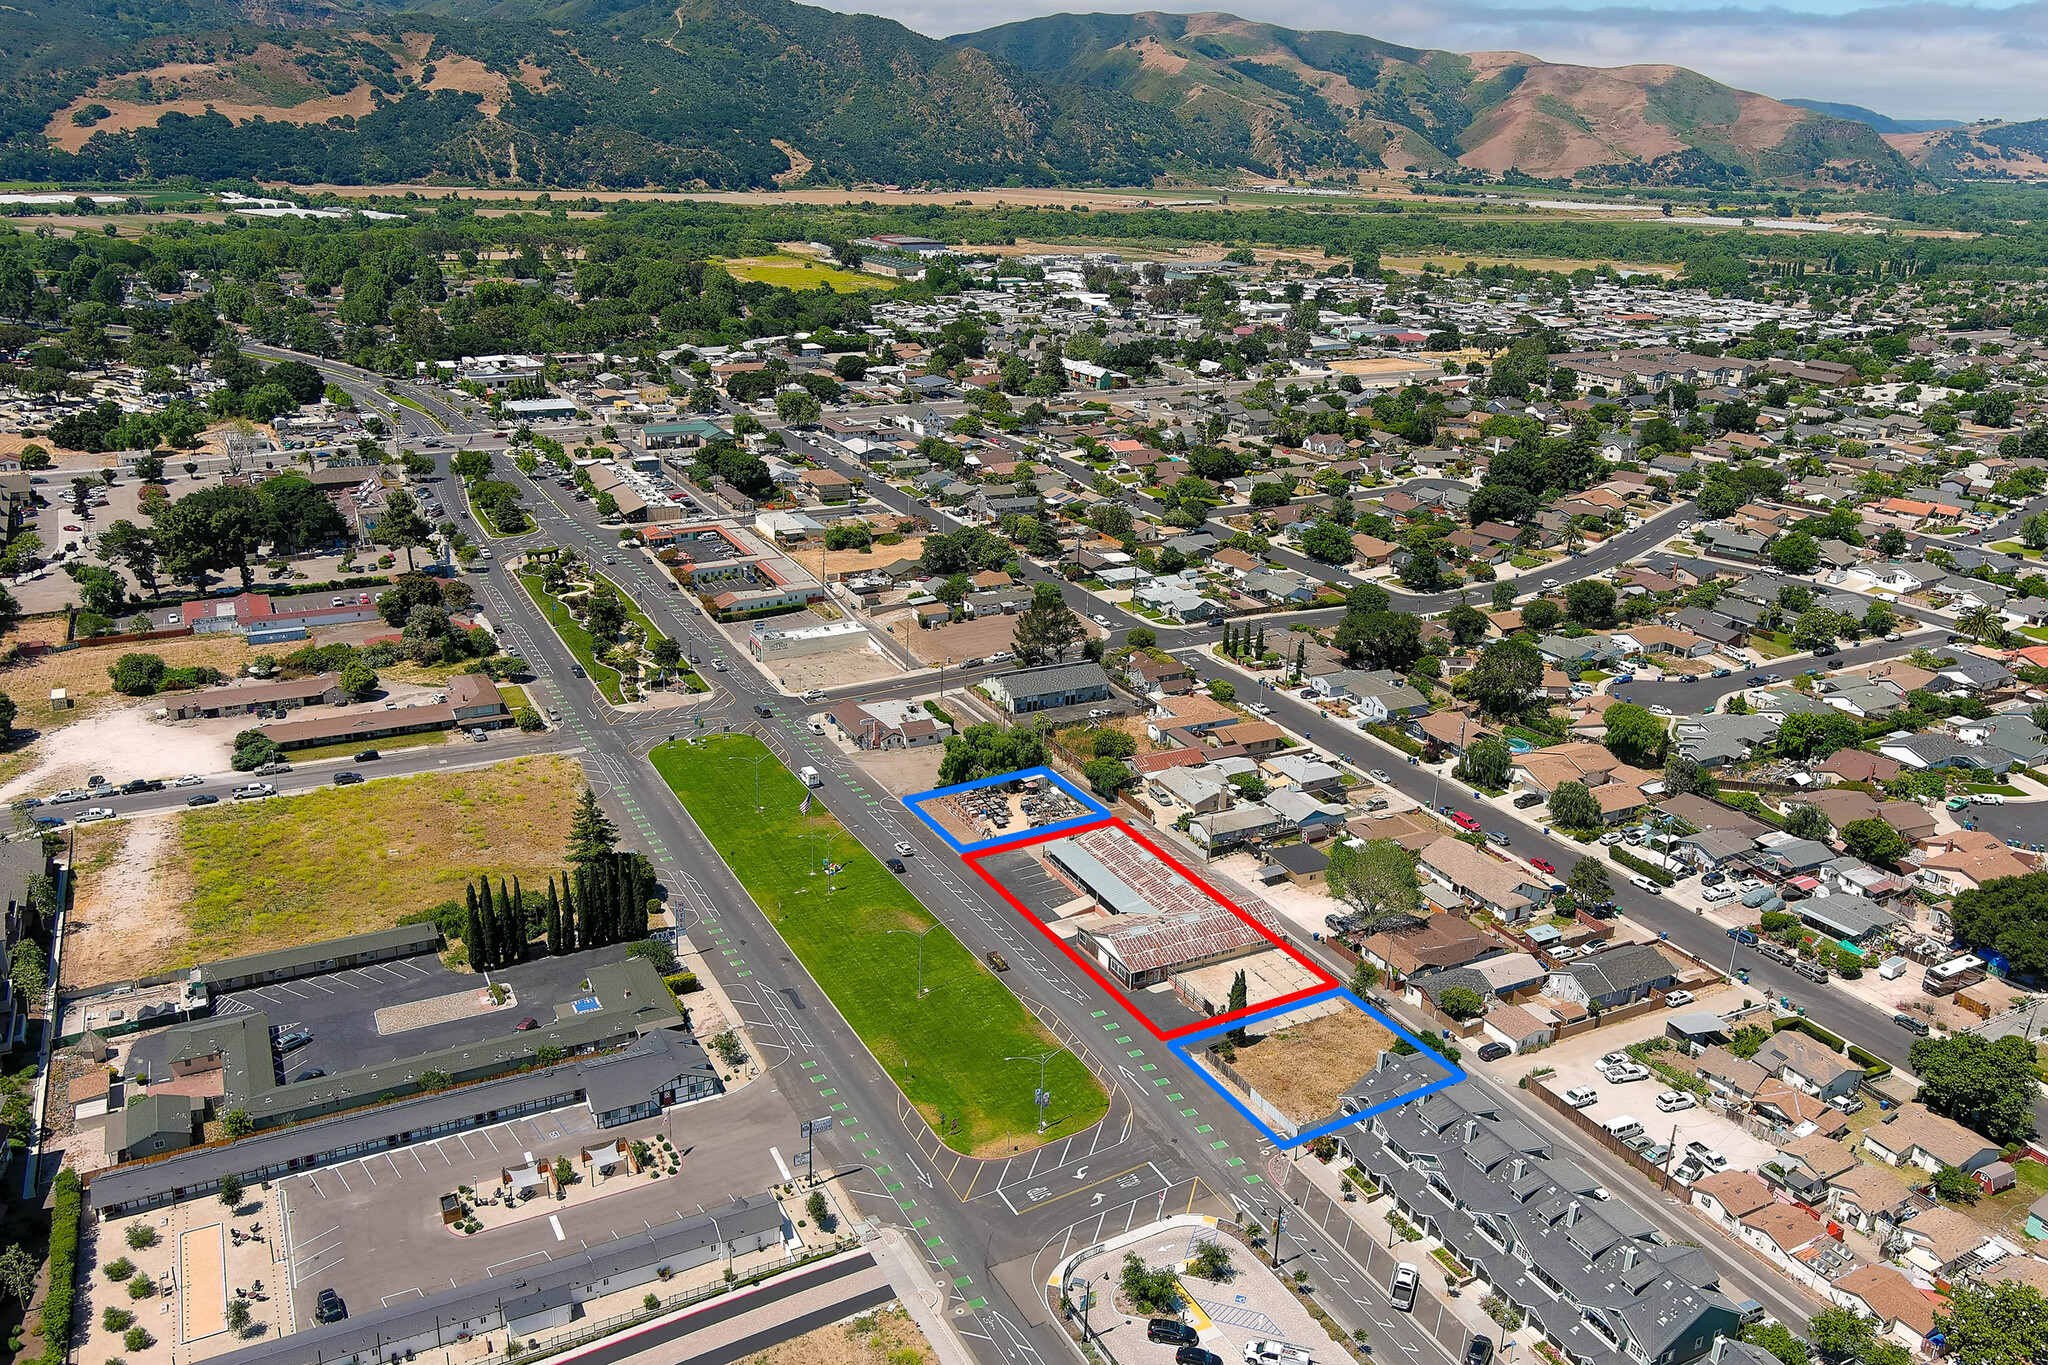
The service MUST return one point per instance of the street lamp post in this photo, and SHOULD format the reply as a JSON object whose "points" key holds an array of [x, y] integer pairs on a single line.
{"points": [[919, 936], [757, 762], [1041, 1096]]}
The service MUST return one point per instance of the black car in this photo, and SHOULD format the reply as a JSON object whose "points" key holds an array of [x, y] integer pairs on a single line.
{"points": [[367, 756], [1170, 1329], [203, 801], [329, 1308], [1753, 680], [347, 779], [761, 710], [1712, 878], [1910, 1024], [896, 866], [311, 1073], [1493, 1052], [1480, 1351], [577, 669], [1195, 1355]]}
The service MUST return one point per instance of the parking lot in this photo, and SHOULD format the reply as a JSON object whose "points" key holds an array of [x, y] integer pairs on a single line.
{"points": [[370, 1229], [1577, 1063], [340, 1010]]}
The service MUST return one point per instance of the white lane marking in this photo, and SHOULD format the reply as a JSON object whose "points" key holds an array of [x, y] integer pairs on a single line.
{"points": [[780, 1164], [555, 1223]]}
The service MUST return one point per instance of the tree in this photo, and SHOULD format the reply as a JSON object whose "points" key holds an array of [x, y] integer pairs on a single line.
{"points": [[986, 750], [1506, 675], [1818, 628], [471, 464], [358, 679], [18, 1273], [402, 527], [1589, 602], [1239, 1000], [1809, 822], [137, 675], [797, 408], [2005, 917], [1879, 619], [1633, 734], [1777, 1338], [1487, 763], [132, 548], [1327, 542], [1048, 631], [408, 591], [210, 531], [253, 749], [238, 1316], [1385, 639], [1152, 1292], [1468, 625], [2005, 1323], [1376, 883], [1953, 1185], [1685, 777], [1113, 744], [591, 834], [1222, 690], [1461, 1003], [1816, 736], [1796, 553], [236, 1123], [1572, 807], [1540, 614], [1108, 776], [1984, 1085], [100, 591], [1874, 841], [26, 971], [1588, 882], [231, 1190]]}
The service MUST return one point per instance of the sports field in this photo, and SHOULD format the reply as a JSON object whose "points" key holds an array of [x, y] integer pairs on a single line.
{"points": [[946, 1051], [791, 272]]}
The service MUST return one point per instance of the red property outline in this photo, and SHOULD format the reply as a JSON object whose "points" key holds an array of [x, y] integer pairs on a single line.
{"points": [[1207, 1025]]}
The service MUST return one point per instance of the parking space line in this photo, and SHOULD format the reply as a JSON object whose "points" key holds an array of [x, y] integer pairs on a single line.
{"points": [[343, 1179], [364, 1162], [486, 1135], [465, 1146], [394, 1165]]}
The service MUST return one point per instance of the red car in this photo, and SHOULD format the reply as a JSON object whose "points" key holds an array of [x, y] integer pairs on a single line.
{"points": [[1542, 866], [1464, 821]]}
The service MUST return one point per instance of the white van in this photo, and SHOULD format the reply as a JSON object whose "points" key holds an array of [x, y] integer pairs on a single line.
{"points": [[1622, 1127], [810, 777]]}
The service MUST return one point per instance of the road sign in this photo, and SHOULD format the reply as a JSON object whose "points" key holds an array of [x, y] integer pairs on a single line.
{"points": [[800, 1159], [812, 1127]]}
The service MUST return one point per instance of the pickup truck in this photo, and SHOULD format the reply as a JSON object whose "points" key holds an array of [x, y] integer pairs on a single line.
{"points": [[1275, 1353]]}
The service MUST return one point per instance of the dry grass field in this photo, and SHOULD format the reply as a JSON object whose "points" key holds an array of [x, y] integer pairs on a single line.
{"points": [[190, 887], [885, 1337], [1302, 1069]]}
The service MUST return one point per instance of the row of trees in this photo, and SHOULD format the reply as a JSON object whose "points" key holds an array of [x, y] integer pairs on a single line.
{"points": [[604, 899]]}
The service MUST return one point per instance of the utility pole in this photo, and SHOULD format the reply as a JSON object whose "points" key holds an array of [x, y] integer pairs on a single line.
{"points": [[757, 762], [1279, 1227], [1041, 1096], [919, 936]]}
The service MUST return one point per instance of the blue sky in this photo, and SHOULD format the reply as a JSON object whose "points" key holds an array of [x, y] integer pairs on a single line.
{"points": [[1919, 60]]}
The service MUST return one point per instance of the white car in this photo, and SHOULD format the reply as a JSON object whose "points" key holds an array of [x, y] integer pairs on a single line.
{"points": [[1714, 895], [1550, 582], [190, 780], [1660, 710], [1615, 1059], [813, 695], [1262, 708], [1677, 998], [1988, 799], [1612, 837], [1001, 656], [96, 813], [1099, 619], [1379, 775], [904, 848], [1671, 1101], [1580, 1096], [1642, 883], [1706, 1156], [1893, 637], [254, 791], [1622, 1075]]}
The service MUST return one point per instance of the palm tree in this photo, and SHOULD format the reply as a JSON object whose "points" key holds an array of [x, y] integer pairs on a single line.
{"points": [[1982, 624]]}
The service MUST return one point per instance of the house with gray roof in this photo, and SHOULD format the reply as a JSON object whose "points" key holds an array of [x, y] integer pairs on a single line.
{"points": [[1049, 687], [1714, 740], [1931, 750], [1617, 976], [1589, 1273]]}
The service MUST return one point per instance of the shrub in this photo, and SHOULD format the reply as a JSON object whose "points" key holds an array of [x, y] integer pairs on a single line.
{"points": [[119, 1269], [1635, 864], [141, 1236], [138, 1339], [116, 1319], [141, 1287]]}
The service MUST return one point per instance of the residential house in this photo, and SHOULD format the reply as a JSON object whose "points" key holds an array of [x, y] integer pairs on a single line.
{"points": [[1048, 687], [1618, 976], [1728, 1197], [1925, 1139], [1900, 1312], [1496, 885], [1808, 1064]]}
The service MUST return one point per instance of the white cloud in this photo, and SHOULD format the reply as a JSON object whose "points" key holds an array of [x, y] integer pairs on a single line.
{"points": [[1906, 60]]}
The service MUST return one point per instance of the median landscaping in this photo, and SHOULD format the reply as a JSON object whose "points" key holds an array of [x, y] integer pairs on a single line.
{"points": [[854, 931]]}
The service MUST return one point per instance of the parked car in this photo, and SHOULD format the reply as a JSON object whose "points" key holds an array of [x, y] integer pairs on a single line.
{"points": [[1464, 821], [1493, 1052], [1528, 799], [1910, 1024], [329, 1307], [1497, 838], [189, 780], [1480, 1352], [1543, 865], [1379, 775], [1578, 1097], [293, 1039], [1677, 999], [1402, 1293], [311, 1073], [1742, 936], [367, 756], [1195, 1355], [1642, 883], [1706, 1156], [527, 1023], [1656, 1154], [254, 791], [1671, 1101], [1848, 1104], [1170, 1330], [814, 695], [1987, 799], [1625, 1074]]}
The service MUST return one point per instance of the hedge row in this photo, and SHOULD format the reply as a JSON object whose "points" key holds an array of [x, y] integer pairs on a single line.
{"points": [[1650, 870], [1875, 1068], [63, 1266], [1811, 1030], [1395, 738]]}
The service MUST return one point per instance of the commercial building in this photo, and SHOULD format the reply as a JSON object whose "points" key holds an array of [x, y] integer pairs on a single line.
{"points": [[1049, 687], [1153, 922], [765, 641]]}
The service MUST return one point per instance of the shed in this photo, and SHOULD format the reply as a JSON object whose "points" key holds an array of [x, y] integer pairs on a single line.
{"points": [[1999, 1175]]}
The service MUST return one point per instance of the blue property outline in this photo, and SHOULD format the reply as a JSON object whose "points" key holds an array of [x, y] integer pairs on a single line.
{"points": [[915, 801], [1182, 1047]]}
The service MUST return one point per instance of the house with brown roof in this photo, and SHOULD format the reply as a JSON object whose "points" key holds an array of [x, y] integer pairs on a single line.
{"points": [[1517, 1027], [1790, 1107], [1728, 1197], [1258, 738], [1922, 1138], [1494, 884], [1944, 1244], [1822, 1157], [1808, 1064], [1371, 551], [1870, 1198], [1780, 1232], [1451, 730], [1432, 941], [1900, 1311], [1732, 1075]]}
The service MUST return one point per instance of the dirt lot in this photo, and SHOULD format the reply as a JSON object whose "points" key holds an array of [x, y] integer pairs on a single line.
{"points": [[835, 668], [83, 674], [958, 641], [188, 887], [885, 1337], [1302, 1069], [902, 771]]}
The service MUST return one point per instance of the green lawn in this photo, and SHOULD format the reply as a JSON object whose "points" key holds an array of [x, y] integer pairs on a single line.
{"points": [[350, 748], [1770, 645], [1998, 789], [945, 1051], [580, 642], [401, 398]]}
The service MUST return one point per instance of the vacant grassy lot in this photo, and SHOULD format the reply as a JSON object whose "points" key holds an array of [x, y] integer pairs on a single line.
{"points": [[792, 273], [196, 886], [1303, 1069], [947, 1050]]}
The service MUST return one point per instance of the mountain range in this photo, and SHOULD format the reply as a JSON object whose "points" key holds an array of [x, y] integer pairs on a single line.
{"points": [[753, 93]]}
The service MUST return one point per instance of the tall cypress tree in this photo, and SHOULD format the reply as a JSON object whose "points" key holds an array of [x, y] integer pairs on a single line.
{"points": [[554, 919], [570, 942], [473, 936], [521, 936], [487, 942], [586, 927]]}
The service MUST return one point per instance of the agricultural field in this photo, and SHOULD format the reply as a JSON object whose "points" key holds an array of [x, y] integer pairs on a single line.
{"points": [[791, 272], [178, 889], [946, 1050]]}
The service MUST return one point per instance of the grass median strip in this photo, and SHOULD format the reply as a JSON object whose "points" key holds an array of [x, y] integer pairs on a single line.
{"points": [[946, 1050], [574, 637]]}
